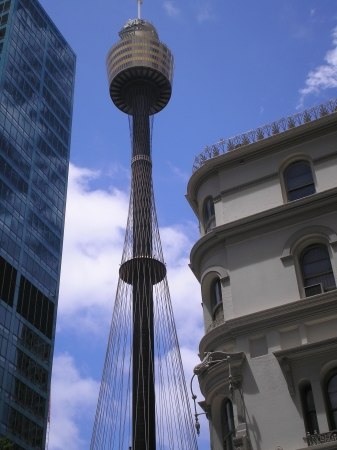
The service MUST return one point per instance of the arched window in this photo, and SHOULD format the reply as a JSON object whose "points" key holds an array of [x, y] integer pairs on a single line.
{"points": [[331, 394], [228, 425], [208, 215], [317, 269], [309, 410], [216, 296], [299, 181]]}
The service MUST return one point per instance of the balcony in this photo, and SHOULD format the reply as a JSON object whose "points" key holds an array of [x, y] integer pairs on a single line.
{"points": [[322, 438]]}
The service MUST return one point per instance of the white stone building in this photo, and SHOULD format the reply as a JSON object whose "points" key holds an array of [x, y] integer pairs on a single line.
{"points": [[266, 261]]}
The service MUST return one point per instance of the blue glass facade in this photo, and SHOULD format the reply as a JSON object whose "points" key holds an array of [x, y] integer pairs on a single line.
{"points": [[37, 69]]}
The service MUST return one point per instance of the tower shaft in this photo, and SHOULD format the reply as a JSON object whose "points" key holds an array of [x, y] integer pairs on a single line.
{"points": [[140, 96]]}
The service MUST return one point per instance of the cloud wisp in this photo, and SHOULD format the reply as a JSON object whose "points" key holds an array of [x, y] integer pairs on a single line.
{"points": [[204, 11], [171, 9], [183, 176], [324, 76]]}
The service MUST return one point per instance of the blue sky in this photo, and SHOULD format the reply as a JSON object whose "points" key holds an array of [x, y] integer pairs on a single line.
{"points": [[238, 64]]}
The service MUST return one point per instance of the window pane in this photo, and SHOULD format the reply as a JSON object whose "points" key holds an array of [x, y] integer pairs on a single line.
{"points": [[326, 280], [298, 174], [316, 267], [216, 293], [316, 260], [228, 424], [332, 392], [310, 411], [302, 192], [299, 181], [310, 399]]}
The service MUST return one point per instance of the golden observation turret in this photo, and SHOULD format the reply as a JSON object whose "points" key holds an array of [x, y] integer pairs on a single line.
{"points": [[140, 57]]}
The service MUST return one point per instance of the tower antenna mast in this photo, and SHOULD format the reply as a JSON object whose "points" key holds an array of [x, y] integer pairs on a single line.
{"points": [[139, 8]]}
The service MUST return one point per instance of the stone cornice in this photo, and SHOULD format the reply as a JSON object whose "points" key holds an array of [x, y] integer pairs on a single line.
{"points": [[288, 213], [286, 357], [271, 317], [302, 351], [256, 150], [325, 158]]}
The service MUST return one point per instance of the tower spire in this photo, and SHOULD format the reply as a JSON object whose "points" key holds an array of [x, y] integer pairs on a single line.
{"points": [[139, 8]]}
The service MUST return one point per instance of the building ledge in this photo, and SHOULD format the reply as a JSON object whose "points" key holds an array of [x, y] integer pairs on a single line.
{"points": [[260, 320], [257, 149], [319, 203]]}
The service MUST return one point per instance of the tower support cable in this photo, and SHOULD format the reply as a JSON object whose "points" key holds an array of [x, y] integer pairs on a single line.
{"points": [[143, 401]]}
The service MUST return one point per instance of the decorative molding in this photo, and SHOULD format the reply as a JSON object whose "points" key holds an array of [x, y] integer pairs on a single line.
{"points": [[287, 258], [325, 158], [305, 350], [285, 357], [243, 186], [206, 408], [260, 320], [303, 234]]}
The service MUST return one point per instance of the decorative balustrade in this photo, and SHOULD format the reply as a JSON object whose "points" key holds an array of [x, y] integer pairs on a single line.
{"points": [[321, 438], [265, 131]]}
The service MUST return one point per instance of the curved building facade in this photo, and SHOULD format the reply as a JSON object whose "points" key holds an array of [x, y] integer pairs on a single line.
{"points": [[267, 264]]}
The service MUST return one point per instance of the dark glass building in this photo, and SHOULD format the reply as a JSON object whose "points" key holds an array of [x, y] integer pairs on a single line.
{"points": [[37, 69]]}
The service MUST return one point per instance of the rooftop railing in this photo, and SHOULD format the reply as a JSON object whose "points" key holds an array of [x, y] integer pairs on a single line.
{"points": [[265, 131]]}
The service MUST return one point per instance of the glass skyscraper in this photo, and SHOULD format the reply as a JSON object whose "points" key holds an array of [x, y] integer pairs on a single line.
{"points": [[37, 69]]}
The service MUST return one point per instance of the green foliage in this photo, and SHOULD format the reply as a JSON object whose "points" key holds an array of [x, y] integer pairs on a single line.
{"points": [[6, 444]]}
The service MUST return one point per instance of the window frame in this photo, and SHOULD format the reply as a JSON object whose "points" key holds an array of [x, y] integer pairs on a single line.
{"points": [[306, 411], [208, 226], [331, 421], [309, 237], [302, 253], [227, 434], [289, 190], [215, 285], [286, 164]]}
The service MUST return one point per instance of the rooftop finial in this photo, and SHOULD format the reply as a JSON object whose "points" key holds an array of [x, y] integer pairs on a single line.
{"points": [[139, 8]]}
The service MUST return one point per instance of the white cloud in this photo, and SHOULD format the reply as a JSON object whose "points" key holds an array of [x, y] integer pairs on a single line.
{"points": [[170, 9], [324, 76], [94, 236], [93, 245], [204, 11], [73, 399]]}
